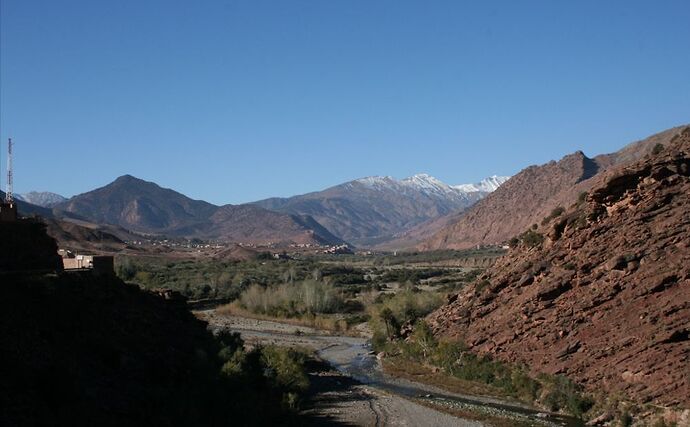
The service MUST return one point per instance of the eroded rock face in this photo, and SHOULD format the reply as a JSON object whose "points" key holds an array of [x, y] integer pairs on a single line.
{"points": [[605, 300]]}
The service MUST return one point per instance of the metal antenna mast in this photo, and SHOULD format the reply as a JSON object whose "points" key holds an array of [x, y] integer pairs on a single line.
{"points": [[9, 197]]}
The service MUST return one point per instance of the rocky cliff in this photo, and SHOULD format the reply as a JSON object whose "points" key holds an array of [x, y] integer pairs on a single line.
{"points": [[599, 292]]}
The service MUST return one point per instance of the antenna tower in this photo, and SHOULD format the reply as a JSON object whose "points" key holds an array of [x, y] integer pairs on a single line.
{"points": [[9, 197]]}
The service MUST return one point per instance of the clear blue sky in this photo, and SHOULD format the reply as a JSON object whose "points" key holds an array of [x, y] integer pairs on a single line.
{"points": [[233, 101]]}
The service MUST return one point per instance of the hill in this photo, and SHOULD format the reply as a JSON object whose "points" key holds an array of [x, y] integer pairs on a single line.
{"points": [[532, 194], [145, 207], [372, 210], [599, 292]]}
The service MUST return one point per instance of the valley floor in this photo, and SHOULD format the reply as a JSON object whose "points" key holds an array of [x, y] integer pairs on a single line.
{"points": [[349, 388]]}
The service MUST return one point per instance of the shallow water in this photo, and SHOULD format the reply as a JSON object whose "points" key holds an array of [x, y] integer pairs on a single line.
{"points": [[353, 357]]}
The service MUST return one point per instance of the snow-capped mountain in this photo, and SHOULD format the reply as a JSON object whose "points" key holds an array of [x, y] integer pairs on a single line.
{"points": [[429, 185], [373, 209], [44, 199], [486, 185]]}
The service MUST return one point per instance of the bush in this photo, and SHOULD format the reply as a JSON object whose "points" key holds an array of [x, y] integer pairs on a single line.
{"points": [[453, 357], [292, 300], [391, 312], [658, 148], [531, 238], [563, 394], [284, 367], [554, 214]]}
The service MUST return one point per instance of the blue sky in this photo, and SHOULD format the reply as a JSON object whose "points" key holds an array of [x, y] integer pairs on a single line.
{"points": [[233, 101]]}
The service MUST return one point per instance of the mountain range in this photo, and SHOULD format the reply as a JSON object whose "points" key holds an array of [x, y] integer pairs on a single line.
{"points": [[362, 211], [375, 209], [145, 207], [418, 212]]}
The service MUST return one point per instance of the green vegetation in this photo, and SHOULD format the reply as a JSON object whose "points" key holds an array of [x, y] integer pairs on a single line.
{"points": [[390, 312], [562, 394], [529, 238], [455, 360], [200, 279], [658, 148], [307, 297], [277, 371], [228, 280]]}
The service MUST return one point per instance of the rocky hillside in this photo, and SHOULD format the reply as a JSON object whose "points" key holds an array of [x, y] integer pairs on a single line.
{"points": [[375, 209], [145, 207], [81, 238], [531, 195], [252, 224], [600, 292]]}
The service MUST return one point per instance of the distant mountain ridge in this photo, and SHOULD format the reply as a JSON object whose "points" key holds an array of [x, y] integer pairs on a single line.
{"points": [[371, 210], [145, 207], [364, 210], [45, 199]]}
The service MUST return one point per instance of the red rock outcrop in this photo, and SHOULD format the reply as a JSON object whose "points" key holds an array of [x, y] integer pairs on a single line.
{"points": [[605, 299]]}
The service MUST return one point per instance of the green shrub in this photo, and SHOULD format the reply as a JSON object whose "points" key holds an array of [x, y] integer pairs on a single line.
{"points": [[392, 311], [658, 148], [454, 358], [292, 300], [532, 239], [554, 214], [284, 367], [563, 394]]}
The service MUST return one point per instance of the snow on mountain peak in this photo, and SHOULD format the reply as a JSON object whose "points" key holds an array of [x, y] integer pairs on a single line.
{"points": [[486, 185], [45, 199], [430, 185]]}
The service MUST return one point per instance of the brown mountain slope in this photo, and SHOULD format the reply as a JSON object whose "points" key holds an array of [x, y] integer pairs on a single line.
{"points": [[79, 237], [256, 225], [145, 207], [532, 194], [605, 299]]}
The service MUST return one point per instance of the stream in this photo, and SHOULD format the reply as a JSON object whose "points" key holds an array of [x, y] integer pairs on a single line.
{"points": [[354, 357]]}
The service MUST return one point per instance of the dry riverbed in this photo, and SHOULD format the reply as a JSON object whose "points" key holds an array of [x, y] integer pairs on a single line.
{"points": [[349, 387]]}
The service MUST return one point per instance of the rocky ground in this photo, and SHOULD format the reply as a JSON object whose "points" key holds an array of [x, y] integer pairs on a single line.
{"points": [[605, 299]]}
